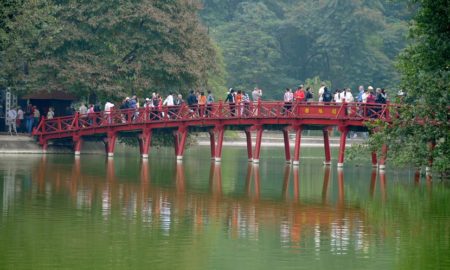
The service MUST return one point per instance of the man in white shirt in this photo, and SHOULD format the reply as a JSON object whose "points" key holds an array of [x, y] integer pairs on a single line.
{"points": [[83, 110], [288, 98], [321, 91], [169, 100], [11, 116], [256, 94], [108, 107], [348, 96]]}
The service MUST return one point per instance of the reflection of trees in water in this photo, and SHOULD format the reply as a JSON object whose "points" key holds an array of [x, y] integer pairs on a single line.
{"points": [[336, 227]]}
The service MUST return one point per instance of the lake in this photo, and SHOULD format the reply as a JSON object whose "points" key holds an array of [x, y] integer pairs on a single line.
{"points": [[59, 212]]}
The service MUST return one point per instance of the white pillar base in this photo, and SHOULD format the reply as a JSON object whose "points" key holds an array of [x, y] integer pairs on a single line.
{"points": [[374, 165], [179, 157], [111, 155], [427, 169], [250, 160], [77, 153], [255, 160], [382, 167], [296, 162], [327, 163], [340, 165], [213, 158], [145, 156], [218, 159], [288, 161]]}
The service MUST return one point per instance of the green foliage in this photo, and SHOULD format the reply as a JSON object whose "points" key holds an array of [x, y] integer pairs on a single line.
{"points": [[278, 44], [424, 118], [108, 47]]}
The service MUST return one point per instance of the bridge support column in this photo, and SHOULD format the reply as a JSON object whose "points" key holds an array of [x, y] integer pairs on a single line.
{"points": [[180, 141], [44, 147], [248, 136], [77, 142], [383, 158], [326, 144], [110, 143], [259, 132], [145, 140], [44, 144], [287, 147], [298, 140], [344, 131], [212, 141], [220, 131], [374, 159]]}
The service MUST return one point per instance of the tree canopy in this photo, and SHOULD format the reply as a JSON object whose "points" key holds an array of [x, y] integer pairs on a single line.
{"points": [[421, 132], [108, 47], [276, 44]]}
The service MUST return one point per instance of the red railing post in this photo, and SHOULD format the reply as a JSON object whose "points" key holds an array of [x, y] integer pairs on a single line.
{"points": [[258, 114]]}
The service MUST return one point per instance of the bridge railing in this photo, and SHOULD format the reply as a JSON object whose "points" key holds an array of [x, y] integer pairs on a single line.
{"points": [[218, 110]]}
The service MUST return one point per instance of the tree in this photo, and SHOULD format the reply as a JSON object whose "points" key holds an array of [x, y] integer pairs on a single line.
{"points": [[346, 42], [107, 47], [423, 121]]}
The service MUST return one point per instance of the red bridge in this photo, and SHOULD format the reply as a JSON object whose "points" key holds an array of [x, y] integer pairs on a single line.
{"points": [[215, 119]]}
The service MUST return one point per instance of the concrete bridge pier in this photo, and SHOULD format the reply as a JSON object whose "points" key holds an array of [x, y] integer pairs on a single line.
{"points": [[180, 141], [77, 142], [326, 144], [298, 140], [259, 132], [216, 146], [344, 132], [248, 136], [382, 163], [110, 143], [287, 147], [374, 159], [145, 139]]}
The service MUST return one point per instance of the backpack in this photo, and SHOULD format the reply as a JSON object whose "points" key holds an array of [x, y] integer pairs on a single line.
{"points": [[327, 96]]}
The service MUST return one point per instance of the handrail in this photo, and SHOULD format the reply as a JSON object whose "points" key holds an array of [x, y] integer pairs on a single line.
{"points": [[219, 111]]}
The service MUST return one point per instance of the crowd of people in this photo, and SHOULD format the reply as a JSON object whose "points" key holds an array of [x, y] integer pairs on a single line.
{"points": [[24, 121], [200, 103]]}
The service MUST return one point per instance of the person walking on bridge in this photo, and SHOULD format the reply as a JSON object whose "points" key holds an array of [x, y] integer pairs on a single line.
{"points": [[288, 97], [231, 101]]}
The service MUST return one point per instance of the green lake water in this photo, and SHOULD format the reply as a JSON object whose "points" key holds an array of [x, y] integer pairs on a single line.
{"points": [[58, 212]]}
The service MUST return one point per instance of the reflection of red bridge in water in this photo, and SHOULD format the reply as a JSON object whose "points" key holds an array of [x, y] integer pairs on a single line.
{"points": [[146, 200], [215, 118]]}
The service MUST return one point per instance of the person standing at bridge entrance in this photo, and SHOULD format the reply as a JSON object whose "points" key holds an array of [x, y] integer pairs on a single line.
{"points": [[11, 116]]}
